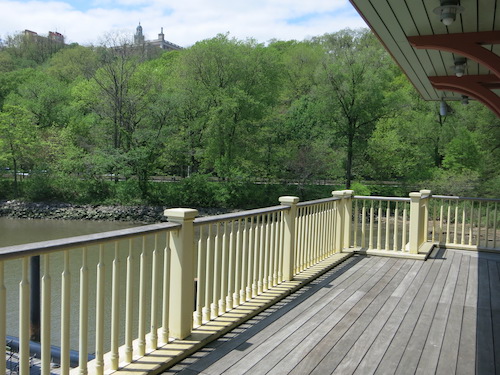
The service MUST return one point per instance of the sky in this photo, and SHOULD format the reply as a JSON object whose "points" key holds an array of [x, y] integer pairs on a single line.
{"points": [[184, 22]]}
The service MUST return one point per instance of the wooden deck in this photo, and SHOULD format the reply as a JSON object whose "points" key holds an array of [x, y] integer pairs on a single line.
{"points": [[373, 315]]}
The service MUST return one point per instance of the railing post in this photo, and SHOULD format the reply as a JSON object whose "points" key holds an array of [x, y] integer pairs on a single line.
{"points": [[289, 236], [343, 219], [417, 221], [181, 272], [426, 196]]}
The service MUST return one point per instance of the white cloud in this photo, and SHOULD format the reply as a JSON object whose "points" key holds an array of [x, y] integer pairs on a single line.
{"points": [[184, 22]]}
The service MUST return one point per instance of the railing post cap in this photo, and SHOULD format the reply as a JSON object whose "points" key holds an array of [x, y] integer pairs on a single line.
{"points": [[180, 214], [416, 195], [288, 200], [426, 192], [342, 193]]}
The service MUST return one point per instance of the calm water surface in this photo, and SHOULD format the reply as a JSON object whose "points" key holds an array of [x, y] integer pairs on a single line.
{"points": [[21, 231]]}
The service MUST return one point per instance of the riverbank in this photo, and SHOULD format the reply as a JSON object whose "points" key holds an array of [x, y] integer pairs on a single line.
{"points": [[64, 211]]}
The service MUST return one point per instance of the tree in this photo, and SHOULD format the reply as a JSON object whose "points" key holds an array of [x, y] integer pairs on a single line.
{"points": [[228, 87], [351, 86], [18, 140]]}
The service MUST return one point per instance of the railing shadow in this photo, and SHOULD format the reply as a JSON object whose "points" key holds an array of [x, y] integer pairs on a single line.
{"points": [[238, 338], [487, 314]]}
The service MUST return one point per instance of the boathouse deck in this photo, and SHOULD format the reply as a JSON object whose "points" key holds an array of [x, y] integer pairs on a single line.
{"points": [[373, 315]]}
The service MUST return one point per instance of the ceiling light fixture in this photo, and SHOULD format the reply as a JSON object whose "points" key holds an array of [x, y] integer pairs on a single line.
{"points": [[443, 108], [448, 11], [459, 66]]}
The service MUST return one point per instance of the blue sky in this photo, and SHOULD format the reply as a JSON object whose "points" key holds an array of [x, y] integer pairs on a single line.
{"points": [[184, 21]]}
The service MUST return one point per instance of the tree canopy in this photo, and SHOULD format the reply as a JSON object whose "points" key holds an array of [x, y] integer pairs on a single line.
{"points": [[334, 107]]}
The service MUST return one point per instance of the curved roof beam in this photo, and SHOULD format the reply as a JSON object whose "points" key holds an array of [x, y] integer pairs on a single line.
{"points": [[475, 86], [465, 44]]}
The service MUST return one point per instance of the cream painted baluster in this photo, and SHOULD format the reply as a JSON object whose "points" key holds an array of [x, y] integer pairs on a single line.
{"points": [[24, 318], [256, 256], [251, 286], [448, 222], [363, 225], [267, 238], [272, 254], [387, 225], [471, 223], [225, 271], [217, 270], [379, 226], [46, 314], [237, 242], [65, 314], [434, 228], [115, 309], [356, 220], [141, 334], [495, 227], [165, 316], [308, 235], [441, 220], [99, 318], [462, 235], [3, 319], [331, 223], [129, 303], [200, 286], [210, 276], [246, 290], [487, 224], [395, 243], [231, 239], [455, 235], [155, 286], [478, 236], [316, 234], [404, 235], [302, 245], [241, 263], [262, 255], [372, 214], [84, 314], [281, 246]]}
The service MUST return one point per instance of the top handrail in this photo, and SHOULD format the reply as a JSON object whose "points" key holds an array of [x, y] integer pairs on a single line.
{"points": [[45, 247], [375, 198], [238, 215], [455, 197], [317, 201]]}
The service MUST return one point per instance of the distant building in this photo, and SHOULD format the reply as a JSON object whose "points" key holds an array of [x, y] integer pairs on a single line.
{"points": [[53, 36], [139, 40]]}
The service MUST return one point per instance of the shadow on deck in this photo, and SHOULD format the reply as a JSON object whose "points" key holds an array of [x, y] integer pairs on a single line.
{"points": [[372, 315]]}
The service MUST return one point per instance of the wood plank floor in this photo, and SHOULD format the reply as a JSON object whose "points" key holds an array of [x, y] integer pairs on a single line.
{"points": [[373, 315]]}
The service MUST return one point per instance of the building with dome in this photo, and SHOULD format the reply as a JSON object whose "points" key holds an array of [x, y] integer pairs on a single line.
{"points": [[161, 43]]}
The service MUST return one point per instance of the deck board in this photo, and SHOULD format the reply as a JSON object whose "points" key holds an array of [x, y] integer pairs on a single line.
{"points": [[372, 315]]}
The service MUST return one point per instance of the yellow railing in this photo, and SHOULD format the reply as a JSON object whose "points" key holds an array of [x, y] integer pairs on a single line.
{"points": [[120, 295], [467, 223]]}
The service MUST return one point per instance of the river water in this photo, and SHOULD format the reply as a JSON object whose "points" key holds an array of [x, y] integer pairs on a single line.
{"points": [[21, 231]]}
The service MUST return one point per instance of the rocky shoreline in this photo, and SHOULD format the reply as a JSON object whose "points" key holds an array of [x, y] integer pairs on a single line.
{"points": [[65, 211]]}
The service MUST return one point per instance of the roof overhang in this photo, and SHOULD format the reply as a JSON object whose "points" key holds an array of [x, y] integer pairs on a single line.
{"points": [[426, 49]]}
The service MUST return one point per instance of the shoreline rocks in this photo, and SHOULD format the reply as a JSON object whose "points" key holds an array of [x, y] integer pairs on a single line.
{"points": [[66, 211]]}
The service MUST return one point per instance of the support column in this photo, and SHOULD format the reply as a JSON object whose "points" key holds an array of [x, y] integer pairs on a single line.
{"points": [[416, 222], [343, 219], [289, 236], [182, 271]]}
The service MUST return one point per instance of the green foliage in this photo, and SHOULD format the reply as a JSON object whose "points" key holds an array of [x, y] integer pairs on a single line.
{"points": [[99, 124]]}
